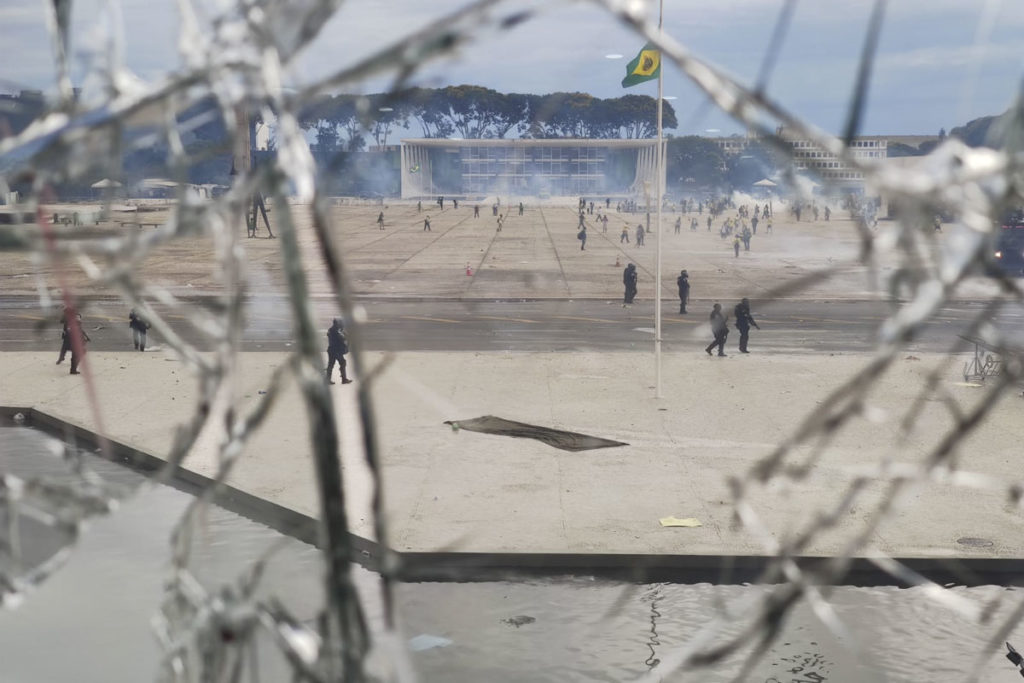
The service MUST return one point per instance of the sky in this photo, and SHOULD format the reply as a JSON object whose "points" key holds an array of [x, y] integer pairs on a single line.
{"points": [[940, 62]]}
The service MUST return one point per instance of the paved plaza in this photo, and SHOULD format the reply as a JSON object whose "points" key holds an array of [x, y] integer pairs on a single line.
{"points": [[459, 490]]}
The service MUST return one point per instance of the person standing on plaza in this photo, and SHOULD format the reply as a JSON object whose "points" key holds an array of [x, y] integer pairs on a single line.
{"points": [[720, 330], [828, 214], [501, 221], [65, 333], [679, 224], [753, 222], [629, 280], [709, 222], [380, 220], [476, 211], [640, 235], [426, 224], [521, 208], [743, 322], [337, 347], [419, 206], [582, 237], [736, 246], [455, 203], [624, 237], [78, 341], [684, 290], [138, 327]]}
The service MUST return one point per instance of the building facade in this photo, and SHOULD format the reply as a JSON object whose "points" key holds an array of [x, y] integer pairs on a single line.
{"points": [[558, 167], [808, 157]]}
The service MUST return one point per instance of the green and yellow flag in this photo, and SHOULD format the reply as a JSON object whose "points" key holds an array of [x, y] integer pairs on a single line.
{"points": [[645, 66]]}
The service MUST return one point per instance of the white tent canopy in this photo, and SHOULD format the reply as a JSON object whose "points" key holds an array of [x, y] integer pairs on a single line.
{"points": [[157, 183], [764, 182], [105, 183]]}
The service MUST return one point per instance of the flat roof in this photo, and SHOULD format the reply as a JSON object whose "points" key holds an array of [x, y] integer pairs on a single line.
{"points": [[531, 142]]}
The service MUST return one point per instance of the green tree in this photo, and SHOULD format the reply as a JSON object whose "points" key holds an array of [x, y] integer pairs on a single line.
{"points": [[693, 162], [637, 115], [425, 106], [326, 137], [382, 114], [759, 160]]}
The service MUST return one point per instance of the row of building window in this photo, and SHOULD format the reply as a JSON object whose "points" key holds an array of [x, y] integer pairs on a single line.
{"points": [[844, 175], [544, 153], [534, 167], [826, 165], [825, 155], [557, 186], [806, 144]]}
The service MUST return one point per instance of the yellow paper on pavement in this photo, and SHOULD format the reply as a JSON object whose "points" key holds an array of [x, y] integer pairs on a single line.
{"points": [[676, 521]]}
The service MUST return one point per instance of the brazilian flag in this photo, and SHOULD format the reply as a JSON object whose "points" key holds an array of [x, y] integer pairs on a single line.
{"points": [[645, 66]]}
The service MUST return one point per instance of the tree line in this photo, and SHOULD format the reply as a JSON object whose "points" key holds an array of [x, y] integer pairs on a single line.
{"points": [[349, 122]]}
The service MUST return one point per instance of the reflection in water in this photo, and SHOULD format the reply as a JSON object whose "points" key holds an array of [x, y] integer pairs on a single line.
{"points": [[653, 595], [805, 667]]}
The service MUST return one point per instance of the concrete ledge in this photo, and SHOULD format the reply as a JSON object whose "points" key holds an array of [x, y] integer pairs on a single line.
{"points": [[277, 517], [473, 566]]}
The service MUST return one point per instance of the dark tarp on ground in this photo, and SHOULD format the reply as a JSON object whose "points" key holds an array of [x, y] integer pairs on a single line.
{"points": [[567, 441]]}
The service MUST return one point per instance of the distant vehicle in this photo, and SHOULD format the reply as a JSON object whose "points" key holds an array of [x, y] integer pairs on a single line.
{"points": [[1009, 250]]}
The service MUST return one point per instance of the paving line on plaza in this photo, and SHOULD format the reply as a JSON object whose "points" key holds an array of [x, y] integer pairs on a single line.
{"points": [[483, 259], [421, 250], [558, 258], [433, 320], [576, 317], [629, 259], [505, 318], [387, 235]]}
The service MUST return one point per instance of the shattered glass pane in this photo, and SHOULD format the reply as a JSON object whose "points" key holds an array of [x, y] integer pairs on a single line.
{"points": [[808, 474]]}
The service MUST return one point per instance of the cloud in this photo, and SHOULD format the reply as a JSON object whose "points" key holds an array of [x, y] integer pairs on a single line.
{"points": [[946, 57]]}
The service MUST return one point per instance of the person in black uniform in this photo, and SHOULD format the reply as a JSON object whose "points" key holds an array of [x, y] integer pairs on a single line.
{"points": [[720, 329], [337, 347], [743, 322], [629, 280], [138, 327], [684, 290]]}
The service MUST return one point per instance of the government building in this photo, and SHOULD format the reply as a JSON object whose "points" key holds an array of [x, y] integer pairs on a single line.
{"points": [[528, 167]]}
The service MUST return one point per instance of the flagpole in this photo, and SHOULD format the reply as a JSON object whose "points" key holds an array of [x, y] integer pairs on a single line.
{"points": [[659, 236]]}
